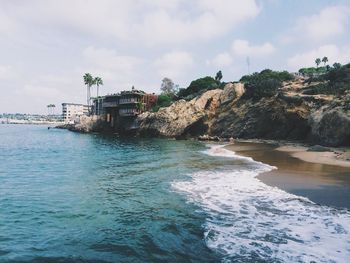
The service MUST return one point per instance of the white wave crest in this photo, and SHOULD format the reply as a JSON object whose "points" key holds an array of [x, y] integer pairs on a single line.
{"points": [[249, 220]]}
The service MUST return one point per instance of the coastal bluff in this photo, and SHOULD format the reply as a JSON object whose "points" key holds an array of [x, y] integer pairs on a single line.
{"points": [[225, 113]]}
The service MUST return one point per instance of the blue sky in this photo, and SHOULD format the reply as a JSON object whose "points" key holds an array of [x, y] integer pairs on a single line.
{"points": [[47, 46]]}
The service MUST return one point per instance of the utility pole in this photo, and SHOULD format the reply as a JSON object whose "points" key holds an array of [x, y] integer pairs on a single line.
{"points": [[248, 65]]}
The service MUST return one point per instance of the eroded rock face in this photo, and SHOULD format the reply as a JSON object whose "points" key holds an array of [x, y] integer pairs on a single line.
{"points": [[86, 124], [290, 115], [181, 119], [330, 127], [269, 118]]}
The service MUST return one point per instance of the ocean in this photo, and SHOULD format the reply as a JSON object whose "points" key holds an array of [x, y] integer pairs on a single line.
{"points": [[69, 197]]}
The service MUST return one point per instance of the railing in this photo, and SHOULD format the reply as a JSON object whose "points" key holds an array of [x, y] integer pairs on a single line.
{"points": [[109, 104], [128, 112], [126, 101]]}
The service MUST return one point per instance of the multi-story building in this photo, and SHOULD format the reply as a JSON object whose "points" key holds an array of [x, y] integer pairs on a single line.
{"points": [[72, 111], [121, 109]]}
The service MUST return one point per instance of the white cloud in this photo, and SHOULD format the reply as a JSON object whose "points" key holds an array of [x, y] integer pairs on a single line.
{"points": [[329, 22], [211, 19], [244, 48], [332, 52], [155, 22], [6, 23], [40, 91], [110, 65], [109, 59], [6, 72], [222, 60], [174, 64]]}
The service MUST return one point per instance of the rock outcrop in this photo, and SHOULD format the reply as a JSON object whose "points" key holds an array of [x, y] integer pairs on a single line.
{"points": [[269, 118], [289, 115], [86, 124], [182, 118], [330, 126]]}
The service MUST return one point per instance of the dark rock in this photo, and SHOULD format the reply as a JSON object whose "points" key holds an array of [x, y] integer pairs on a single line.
{"points": [[318, 148], [331, 127]]}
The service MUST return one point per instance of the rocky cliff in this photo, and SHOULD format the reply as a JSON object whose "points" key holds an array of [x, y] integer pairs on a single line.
{"points": [[86, 124], [289, 115], [182, 118]]}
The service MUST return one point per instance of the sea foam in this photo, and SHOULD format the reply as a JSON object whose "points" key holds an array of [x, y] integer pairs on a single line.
{"points": [[248, 220]]}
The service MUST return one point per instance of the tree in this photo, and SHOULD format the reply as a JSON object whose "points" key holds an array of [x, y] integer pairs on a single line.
{"points": [[318, 62], [98, 82], [218, 76], [168, 87], [337, 65], [197, 86], [325, 60], [88, 81]]}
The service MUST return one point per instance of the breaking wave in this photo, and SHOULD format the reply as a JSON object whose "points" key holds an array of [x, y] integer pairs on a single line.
{"points": [[248, 220]]}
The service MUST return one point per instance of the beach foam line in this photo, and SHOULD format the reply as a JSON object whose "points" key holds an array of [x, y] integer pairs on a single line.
{"points": [[221, 151], [248, 220]]}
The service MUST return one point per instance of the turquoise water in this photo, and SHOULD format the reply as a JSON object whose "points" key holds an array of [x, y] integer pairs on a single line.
{"points": [[68, 197]]}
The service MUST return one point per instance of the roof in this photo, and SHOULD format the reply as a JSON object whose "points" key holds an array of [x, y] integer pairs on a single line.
{"points": [[127, 92], [75, 104]]}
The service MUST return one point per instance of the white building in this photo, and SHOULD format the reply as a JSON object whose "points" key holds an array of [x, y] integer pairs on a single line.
{"points": [[72, 111]]}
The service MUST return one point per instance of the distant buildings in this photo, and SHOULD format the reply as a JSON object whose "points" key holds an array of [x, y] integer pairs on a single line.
{"points": [[71, 111], [118, 111], [19, 118]]}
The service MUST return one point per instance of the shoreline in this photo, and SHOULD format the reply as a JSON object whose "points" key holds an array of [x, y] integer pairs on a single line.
{"points": [[321, 175]]}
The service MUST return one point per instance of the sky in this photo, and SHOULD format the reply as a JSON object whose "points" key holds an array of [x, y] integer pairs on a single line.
{"points": [[46, 46]]}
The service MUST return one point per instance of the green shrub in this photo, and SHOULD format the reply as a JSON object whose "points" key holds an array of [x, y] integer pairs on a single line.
{"points": [[264, 84], [336, 82], [259, 88], [198, 85], [268, 74], [162, 101], [312, 71]]}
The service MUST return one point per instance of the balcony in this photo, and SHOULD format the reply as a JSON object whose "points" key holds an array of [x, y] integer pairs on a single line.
{"points": [[128, 101], [110, 104], [128, 112]]}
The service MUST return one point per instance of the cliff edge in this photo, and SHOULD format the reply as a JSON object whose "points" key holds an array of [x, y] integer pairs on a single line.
{"points": [[290, 114]]}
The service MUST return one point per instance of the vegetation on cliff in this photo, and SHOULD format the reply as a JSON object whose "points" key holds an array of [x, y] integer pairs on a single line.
{"points": [[264, 84], [198, 86], [336, 81], [267, 104]]}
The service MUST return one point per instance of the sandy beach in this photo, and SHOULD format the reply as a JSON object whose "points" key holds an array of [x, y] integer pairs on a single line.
{"points": [[322, 175]]}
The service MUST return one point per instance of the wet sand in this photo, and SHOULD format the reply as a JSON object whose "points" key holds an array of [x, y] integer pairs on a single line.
{"points": [[314, 177]]}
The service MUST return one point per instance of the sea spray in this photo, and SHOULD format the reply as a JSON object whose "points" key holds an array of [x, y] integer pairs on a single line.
{"points": [[248, 220]]}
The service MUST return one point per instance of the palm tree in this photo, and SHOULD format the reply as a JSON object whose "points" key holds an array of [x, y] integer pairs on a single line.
{"points": [[318, 62], [88, 81], [337, 65], [98, 81], [325, 60]]}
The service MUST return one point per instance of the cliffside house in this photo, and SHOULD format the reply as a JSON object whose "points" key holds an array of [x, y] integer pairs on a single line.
{"points": [[121, 109], [72, 111]]}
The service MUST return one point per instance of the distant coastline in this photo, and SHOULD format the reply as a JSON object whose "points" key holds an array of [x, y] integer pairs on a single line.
{"points": [[19, 122]]}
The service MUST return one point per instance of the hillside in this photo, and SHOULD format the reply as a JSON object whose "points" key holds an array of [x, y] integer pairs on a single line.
{"points": [[313, 110]]}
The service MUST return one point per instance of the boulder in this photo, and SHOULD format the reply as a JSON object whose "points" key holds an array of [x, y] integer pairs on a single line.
{"points": [[330, 126]]}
